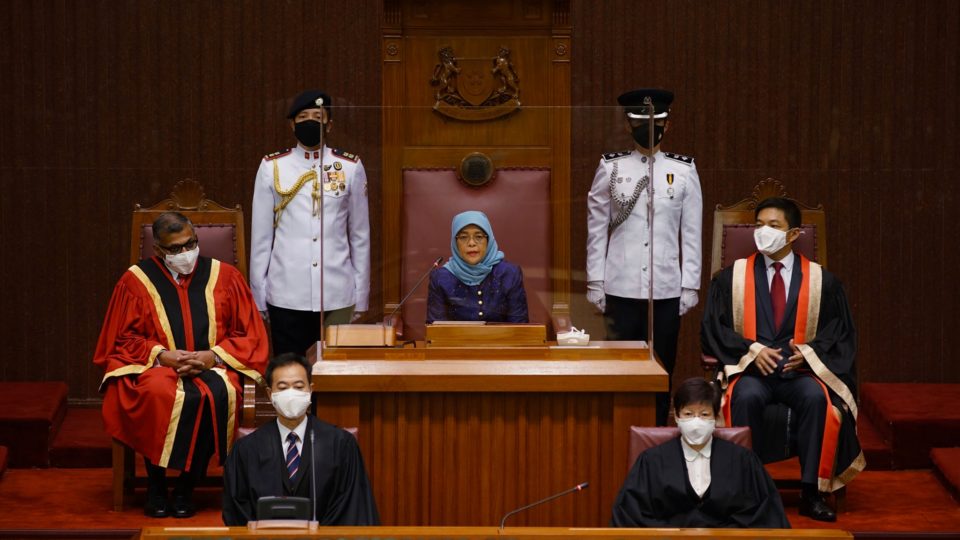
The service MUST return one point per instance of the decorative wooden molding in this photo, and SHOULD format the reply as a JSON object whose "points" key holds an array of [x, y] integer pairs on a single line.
{"points": [[187, 195], [561, 13], [476, 169], [475, 89], [769, 187]]}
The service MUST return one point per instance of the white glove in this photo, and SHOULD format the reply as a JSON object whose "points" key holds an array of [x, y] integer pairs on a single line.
{"points": [[357, 315], [596, 296], [688, 299], [265, 315]]}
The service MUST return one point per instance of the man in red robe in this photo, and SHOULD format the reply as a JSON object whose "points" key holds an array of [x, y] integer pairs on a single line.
{"points": [[179, 332]]}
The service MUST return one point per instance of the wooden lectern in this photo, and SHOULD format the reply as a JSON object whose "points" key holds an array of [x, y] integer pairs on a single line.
{"points": [[485, 335], [460, 435]]}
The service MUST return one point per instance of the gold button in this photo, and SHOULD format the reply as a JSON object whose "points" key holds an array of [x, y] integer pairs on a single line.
{"points": [[481, 314], [479, 293], [480, 302]]}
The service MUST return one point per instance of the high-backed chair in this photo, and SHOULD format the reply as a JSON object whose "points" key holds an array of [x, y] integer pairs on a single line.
{"points": [[643, 438], [733, 228], [517, 201], [220, 233]]}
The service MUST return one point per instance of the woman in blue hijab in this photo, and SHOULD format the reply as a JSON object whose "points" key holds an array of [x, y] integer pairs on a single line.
{"points": [[476, 284]]}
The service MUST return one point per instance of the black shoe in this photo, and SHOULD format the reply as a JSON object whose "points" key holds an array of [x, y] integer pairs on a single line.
{"points": [[156, 507], [183, 506], [816, 508]]}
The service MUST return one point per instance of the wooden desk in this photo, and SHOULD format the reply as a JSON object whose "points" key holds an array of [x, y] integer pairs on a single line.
{"points": [[455, 436], [471, 533]]}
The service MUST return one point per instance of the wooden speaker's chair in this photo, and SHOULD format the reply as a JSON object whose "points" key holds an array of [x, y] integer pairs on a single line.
{"points": [[220, 233], [733, 228], [518, 203], [643, 438]]}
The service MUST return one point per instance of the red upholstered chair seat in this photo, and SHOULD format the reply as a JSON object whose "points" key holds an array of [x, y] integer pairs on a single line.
{"points": [[643, 438], [517, 201], [217, 241]]}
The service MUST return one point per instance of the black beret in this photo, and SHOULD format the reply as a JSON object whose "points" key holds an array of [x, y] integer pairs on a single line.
{"points": [[632, 102], [311, 99]]}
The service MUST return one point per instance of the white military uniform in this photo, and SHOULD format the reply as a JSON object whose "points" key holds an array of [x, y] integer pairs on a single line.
{"points": [[285, 261], [620, 259]]}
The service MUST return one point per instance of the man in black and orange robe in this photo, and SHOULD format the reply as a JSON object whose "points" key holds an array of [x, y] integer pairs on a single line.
{"points": [[781, 327], [179, 332]]}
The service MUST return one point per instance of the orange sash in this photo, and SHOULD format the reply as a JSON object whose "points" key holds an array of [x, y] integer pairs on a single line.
{"points": [[806, 319]]}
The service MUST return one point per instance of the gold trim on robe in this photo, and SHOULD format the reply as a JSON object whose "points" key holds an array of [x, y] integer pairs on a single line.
{"points": [[211, 302], [231, 405], [157, 304], [237, 365], [172, 426]]}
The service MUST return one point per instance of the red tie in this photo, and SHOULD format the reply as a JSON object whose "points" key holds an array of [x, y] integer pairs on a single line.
{"points": [[778, 296]]}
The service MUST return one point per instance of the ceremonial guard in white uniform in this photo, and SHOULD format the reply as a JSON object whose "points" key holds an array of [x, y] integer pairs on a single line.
{"points": [[294, 189], [618, 249]]}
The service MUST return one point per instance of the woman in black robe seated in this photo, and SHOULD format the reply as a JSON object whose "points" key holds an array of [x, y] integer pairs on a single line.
{"points": [[698, 480]]}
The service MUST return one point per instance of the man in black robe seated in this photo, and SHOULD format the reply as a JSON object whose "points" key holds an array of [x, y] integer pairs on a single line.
{"points": [[781, 327], [275, 459], [698, 480]]}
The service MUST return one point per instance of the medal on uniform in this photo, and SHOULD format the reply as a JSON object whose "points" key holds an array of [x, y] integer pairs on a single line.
{"points": [[327, 167], [337, 165], [670, 183]]}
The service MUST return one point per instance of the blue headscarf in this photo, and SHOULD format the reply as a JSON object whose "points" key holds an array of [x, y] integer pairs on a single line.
{"points": [[472, 274]]}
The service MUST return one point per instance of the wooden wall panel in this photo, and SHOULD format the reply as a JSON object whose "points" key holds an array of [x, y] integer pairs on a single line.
{"points": [[443, 458], [851, 103], [106, 104]]}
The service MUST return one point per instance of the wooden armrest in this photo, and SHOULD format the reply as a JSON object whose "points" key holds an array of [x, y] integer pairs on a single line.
{"points": [[709, 363], [248, 412]]}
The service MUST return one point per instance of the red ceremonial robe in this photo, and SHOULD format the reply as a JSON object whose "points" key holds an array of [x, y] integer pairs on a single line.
{"points": [[151, 409]]}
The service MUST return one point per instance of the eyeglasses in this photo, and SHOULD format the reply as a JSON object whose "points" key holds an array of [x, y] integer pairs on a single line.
{"points": [[466, 238], [179, 248]]}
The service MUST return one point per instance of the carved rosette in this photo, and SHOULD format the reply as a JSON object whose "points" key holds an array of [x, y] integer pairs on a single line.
{"points": [[188, 194]]}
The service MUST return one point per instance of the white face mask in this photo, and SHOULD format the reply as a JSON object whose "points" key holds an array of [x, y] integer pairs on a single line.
{"points": [[183, 262], [769, 240], [696, 430], [291, 403]]}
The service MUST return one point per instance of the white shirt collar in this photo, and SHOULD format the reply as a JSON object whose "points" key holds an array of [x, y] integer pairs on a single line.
{"points": [[786, 260], [690, 454], [300, 430]]}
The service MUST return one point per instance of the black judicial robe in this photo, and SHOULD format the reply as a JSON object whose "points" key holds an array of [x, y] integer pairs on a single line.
{"points": [[257, 468], [657, 492], [829, 347]]}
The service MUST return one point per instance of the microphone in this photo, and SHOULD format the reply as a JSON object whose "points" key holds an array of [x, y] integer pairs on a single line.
{"points": [[434, 266], [313, 474], [574, 489]]}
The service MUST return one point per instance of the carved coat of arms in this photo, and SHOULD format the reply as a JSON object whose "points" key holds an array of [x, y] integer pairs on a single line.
{"points": [[475, 88]]}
